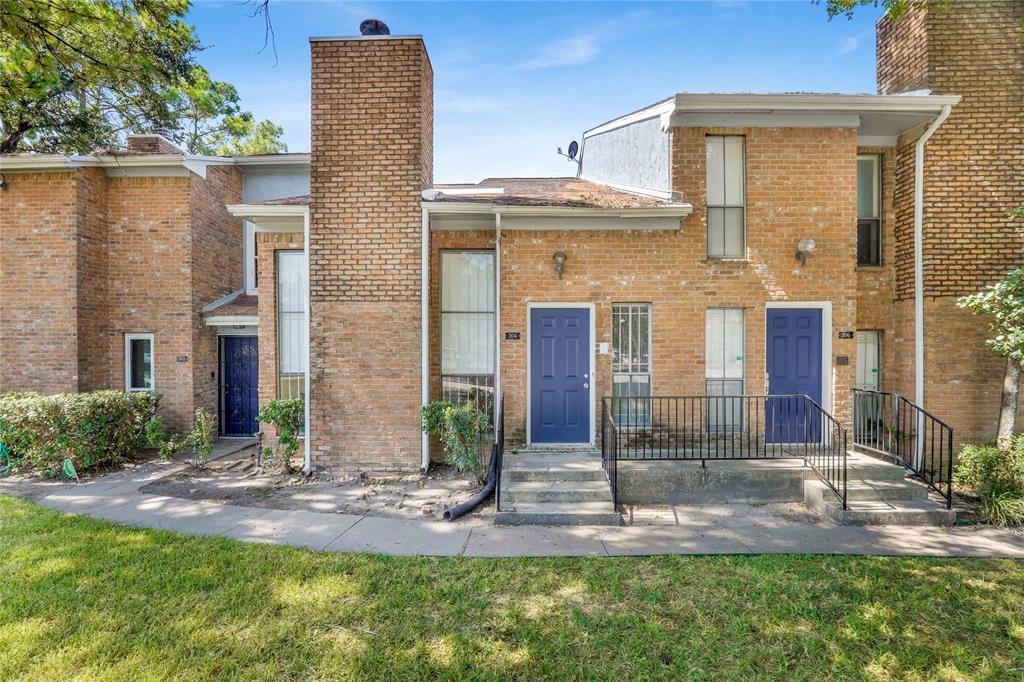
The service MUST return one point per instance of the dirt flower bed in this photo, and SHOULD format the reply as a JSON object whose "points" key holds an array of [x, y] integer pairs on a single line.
{"points": [[412, 496]]}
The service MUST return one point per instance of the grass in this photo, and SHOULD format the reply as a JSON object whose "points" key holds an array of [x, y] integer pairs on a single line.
{"points": [[82, 599]]}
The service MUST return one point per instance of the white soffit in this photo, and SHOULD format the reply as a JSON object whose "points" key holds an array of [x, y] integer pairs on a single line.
{"points": [[272, 217]]}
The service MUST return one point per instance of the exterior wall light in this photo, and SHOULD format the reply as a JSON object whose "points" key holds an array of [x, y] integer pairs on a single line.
{"points": [[559, 259], [803, 249]]}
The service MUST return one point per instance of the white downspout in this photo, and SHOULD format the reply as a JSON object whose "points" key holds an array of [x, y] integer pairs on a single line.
{"points": [[919, 264], [497, 316], [307, 457], [425, 326]]}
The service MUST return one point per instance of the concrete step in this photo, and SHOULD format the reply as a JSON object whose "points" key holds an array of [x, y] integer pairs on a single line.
{"points": [[873, 491], [558, 514], [920, 512], [866, 468], [533, 466], [514, 492]]}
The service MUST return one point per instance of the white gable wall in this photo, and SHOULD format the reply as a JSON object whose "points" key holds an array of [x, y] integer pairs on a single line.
{"points": [[634, 156]]}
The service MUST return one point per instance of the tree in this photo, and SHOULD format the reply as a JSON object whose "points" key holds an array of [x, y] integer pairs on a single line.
{"points": [[76, 74], [211, 121], [1004, 301], [893, 8]]}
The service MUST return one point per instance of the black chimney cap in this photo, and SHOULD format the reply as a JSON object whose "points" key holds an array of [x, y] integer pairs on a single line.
{"points": [[374, 27]]}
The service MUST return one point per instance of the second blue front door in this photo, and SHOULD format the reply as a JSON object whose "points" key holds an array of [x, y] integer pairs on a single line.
{"points": [[560, 381], [239, 376], [794, 348]]}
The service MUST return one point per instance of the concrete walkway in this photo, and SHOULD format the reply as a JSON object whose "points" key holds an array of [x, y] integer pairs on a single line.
{"points": [[717, 529]]}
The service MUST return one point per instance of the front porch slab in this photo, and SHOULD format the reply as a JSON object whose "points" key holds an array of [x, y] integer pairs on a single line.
{"points": [[718, 482]]}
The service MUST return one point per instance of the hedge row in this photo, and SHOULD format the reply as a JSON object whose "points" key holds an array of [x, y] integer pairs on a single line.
{"points": [[89, 428]]}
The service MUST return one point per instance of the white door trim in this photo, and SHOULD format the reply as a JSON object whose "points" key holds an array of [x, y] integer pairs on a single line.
{"points": [[826, 344], [529, 370]]}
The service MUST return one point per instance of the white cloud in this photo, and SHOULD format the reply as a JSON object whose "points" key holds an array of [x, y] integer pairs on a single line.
{"points": [[848, 45], [468, 105], [569, 51]]}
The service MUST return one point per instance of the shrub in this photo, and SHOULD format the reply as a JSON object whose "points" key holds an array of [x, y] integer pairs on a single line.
{"points": [[997, 477], [286, 416], [88, 428], [200, 439], [458, 427]]}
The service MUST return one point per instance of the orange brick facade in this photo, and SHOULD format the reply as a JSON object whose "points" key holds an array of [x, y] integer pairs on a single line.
{"points": [[86, 259], [372, 113], [974, 178]]}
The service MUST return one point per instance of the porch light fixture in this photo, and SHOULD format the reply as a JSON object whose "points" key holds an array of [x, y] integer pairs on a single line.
{"points": [[803, 249], [559, 259]]}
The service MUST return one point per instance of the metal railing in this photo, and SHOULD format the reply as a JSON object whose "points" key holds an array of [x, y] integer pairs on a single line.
{"points": [[499, 451], [475, 390], [702, 428], [890, 425]]}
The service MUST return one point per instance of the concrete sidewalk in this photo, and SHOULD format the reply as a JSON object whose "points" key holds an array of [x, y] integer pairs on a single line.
{"points": [[705, 529]]}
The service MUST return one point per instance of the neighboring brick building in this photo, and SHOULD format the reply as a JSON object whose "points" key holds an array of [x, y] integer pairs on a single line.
{"points": [[711, 245]]}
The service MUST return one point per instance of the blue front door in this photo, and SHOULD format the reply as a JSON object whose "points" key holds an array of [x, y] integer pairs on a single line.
{"points": [[794, 348], [239, 376], [560, 375]]}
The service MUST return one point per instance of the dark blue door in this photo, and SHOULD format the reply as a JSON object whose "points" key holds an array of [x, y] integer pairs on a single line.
{"points": [[239, 376], [560, 375], [794, 368]]}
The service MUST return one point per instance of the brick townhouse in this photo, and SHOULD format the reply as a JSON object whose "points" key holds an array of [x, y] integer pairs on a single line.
{"points": [[709, 245]]}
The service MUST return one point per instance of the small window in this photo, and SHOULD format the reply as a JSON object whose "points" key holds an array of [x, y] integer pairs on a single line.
{"points": [[138, 362], [250, 256], [726, 181], [869, 215], [724, 367], [631, 362]]}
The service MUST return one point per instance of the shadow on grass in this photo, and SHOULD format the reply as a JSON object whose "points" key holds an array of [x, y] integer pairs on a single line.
{"points": [[85, 599]]}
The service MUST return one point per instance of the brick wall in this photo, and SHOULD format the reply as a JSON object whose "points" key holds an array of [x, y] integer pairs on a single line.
{"points": [[372, 110], [216, 270], [94, 359], [38, 284], [974, 177]]}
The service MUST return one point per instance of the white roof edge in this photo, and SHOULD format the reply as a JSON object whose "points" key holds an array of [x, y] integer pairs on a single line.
{"points": [[124, 159], [743, 102], [256, 210], [284, 159], [232, 321], [680, 209], [222, 301], [655, 110]]}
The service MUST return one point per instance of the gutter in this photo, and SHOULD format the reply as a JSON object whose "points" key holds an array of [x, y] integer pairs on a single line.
{"points": [[919, 257], [307, 457], [425, 331]]}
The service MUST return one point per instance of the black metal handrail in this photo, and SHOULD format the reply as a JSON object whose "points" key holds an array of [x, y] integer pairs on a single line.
{"points": [[888, 424], [499, 451], [701, 428]]}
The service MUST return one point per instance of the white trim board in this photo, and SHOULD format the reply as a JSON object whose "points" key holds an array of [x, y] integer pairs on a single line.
{"points": [[128, 338], [529, 370], [826, 344]]}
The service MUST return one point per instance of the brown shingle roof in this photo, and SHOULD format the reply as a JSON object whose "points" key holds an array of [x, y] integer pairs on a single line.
{"points": [[243, 304], [302, 200], [572, 192]]}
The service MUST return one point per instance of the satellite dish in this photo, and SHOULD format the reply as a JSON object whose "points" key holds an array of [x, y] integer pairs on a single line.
{"points": [[574, 148]]}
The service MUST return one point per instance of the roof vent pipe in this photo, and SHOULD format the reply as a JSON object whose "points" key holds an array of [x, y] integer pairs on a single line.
{"points": [[374, 27]]}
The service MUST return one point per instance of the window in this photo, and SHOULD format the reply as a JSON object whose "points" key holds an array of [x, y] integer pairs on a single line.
{"points": [[869, 216], [291, 324], [631, 361], [724, 366], [726, 180], [467, 328], [251, 260], [138, 362]]}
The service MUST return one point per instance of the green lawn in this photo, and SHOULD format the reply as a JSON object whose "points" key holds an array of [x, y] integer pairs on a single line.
{"points": [[84, 599]]}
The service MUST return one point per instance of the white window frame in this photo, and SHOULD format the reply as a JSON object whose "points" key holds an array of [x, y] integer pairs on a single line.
{"points": [[249, 254], [876, 183], [128, 338], [725, 205]]}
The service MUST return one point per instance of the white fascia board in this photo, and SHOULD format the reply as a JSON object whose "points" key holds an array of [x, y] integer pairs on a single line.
{"points": [[221, 301], [668, 210], [691, 102], [654, 111], [272, 217], [877, 140], [232, 321], [301, 160], [766, 119]]}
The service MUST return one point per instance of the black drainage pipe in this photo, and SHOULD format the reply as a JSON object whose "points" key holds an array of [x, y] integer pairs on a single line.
{"points": [[472, 503]]}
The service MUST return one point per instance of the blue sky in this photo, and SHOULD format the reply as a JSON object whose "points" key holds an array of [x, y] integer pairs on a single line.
{"points": [[513, 81]]}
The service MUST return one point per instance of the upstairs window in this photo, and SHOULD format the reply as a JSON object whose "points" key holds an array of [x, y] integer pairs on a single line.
{"points": [[869, 214], [138, 362], [726, 181], [249, 256]]}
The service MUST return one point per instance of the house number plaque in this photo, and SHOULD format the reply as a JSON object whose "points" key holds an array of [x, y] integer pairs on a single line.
{"points": [[846, 335], [512, 336]]}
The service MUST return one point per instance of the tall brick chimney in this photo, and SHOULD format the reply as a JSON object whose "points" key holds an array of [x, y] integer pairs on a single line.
{"points": [[974, 178], [372, 156]]}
